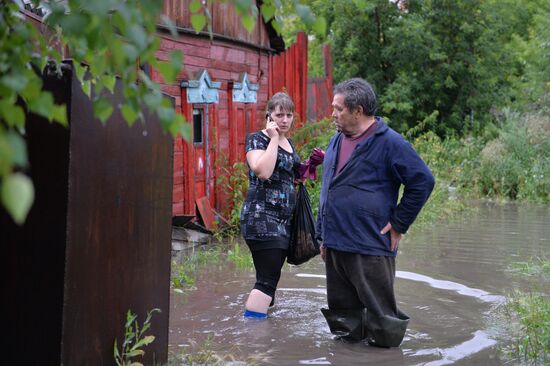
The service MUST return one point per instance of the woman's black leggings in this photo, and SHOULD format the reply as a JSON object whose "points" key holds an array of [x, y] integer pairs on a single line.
{"points": [[268, 264]]}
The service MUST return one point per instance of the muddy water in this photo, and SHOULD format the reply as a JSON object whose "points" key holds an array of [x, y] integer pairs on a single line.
{"points": [[450, 278]]}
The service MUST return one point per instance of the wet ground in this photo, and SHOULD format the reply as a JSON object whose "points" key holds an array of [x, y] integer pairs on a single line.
{"points": [[451, 277]]}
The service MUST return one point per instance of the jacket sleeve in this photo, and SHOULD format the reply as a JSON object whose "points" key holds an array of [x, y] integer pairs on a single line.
{"points": [[325, 182], [411, 171], [319, 227]]}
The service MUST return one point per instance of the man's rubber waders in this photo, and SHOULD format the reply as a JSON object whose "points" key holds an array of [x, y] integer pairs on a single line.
{"points": [[358, 324]]}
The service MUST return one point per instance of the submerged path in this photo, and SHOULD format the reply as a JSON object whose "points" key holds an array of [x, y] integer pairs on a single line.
{"points": [[450, 278]]}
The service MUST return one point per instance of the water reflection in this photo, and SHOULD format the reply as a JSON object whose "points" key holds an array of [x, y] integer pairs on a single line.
{"points": [[450, 279], [451, 286]]}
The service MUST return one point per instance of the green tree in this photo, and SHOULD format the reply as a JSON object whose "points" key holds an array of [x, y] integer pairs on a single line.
{"points": [[444, 64], [106, 39]]}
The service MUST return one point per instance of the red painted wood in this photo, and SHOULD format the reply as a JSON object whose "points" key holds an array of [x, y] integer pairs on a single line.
{"points": [[206, 214], [229, 121], [225, 20]]}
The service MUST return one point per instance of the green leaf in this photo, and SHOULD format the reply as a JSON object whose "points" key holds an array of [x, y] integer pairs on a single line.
{"points": [[102, 109], [138, 36], [32, 90], [248, 22], [109, 82], [13, 114], [268, 11], [179, 126], [42, 105], [277, 26], [80, 70], [153, 100], [117, 53], [129, 113], [195, 6], [18, 149], [167, 71], [97, 7], [74, 23], [242, 5], [15, 82], [87, 88], [320, 26], [304, 12], [17, 196], [198, 22], [176, 59], [60, 114], [130, 51], [170, 24], [135, 353]]}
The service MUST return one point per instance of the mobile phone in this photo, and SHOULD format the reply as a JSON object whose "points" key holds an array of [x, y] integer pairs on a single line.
{"points": [[268, 117]]}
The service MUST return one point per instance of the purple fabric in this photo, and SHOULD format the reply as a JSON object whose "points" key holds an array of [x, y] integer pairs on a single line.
{"points": [[308, 169], [348, 144]]}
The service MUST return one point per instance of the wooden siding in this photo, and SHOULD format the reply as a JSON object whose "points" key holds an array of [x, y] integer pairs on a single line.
{"points": [[225, 61], [225, 21], [319, 91]]}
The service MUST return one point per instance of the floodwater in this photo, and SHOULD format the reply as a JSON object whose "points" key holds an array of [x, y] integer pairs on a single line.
{"points": [[451, 277]]}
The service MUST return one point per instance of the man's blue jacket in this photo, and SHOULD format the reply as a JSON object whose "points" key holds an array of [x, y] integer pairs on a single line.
{"points": [[358, 202]]}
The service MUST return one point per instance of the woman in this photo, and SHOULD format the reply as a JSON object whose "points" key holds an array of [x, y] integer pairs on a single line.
{"points": [[269, 202]]}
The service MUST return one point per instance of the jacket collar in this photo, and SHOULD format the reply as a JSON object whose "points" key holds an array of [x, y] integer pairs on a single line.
{"points": [[381, 128]]}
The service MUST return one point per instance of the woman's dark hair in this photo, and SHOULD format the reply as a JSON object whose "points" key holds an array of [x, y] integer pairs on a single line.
{"points": [[280, 99]]}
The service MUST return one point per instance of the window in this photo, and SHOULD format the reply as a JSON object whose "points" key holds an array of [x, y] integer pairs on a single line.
{"points": [[198, 118]]}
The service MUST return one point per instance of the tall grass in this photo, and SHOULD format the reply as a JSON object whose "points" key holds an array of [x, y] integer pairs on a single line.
{"points": [[507, 163], [525, 317], [184, 270], [234, 183], [241, 258], [516, 164]]}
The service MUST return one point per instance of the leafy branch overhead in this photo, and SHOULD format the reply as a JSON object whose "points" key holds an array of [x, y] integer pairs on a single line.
{"points": [[109, 42]]}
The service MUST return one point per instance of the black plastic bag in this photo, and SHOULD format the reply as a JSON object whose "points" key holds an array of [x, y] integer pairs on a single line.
{"points": [[303, 244]]}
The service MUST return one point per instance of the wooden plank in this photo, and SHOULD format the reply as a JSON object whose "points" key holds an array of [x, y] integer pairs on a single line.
{"points": [[205, 213]]}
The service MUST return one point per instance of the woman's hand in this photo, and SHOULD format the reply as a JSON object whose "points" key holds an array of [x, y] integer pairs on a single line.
{"points": [[272, 129]]}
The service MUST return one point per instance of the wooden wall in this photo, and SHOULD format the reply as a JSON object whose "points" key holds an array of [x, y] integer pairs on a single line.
{"points": [[225, 21]]}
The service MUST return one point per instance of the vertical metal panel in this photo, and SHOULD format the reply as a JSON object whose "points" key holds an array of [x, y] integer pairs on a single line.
{"points": [[118, 233], [96, 242], [33, 254]]}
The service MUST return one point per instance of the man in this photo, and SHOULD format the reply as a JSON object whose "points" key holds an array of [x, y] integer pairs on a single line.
{"points": [[360, 222]]}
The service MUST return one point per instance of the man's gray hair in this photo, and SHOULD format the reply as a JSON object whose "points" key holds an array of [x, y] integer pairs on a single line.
{"points": [[358, 92]]}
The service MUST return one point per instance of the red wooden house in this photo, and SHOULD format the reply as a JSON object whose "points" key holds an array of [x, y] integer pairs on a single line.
{"points": [[226, 81]]}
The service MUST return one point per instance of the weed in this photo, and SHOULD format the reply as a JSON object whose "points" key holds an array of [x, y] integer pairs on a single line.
{"points": [[184, 271], [134, 340], [241, 258], [204, 354], [525, 317], [527, 325], [234, 183]]}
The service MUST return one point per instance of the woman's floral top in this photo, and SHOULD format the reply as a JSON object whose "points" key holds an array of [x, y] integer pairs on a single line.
{"points": [[268, 206]]}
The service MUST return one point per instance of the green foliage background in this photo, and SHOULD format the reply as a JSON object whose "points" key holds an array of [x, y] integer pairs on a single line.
{"points": [[448, 64]]}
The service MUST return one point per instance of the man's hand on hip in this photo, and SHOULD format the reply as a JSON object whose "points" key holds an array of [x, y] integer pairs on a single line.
{"points": [[394, 235]]}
